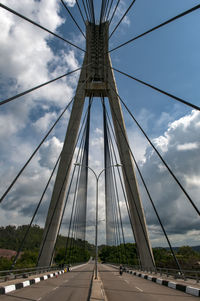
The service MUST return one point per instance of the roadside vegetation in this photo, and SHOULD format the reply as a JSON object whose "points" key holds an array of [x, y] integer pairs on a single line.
{"points": [[80, 251], [188, 258], [11, 238]]}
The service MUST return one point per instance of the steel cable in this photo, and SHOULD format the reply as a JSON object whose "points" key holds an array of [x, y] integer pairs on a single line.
{"points": [[33, 217], [72, 17], [80, 11], [158, 153], [156, 27], [67, 168], [121, 182], [40, 26], [37, 87], [35, 151], [107, 16], [68, 191], [114, 11], [152, 203], [124, 15], [127, 180], [159, 90]]}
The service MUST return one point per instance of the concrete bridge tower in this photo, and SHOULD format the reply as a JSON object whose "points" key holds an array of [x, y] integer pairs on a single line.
{"points": [[97, 80]]}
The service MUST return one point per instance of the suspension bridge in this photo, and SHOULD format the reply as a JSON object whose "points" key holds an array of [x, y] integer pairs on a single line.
{"points": [[119, 179]]}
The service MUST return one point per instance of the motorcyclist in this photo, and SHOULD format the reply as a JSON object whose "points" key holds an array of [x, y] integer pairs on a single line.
{"points": [[120, 270]]}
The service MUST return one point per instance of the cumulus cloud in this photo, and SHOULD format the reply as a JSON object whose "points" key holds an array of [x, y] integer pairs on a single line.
{"points": [[50, 152], [71, 3], [27, 58], [42, 124], [179, 146]]}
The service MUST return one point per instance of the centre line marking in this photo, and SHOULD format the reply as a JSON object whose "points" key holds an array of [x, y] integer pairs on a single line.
{"points": [[139, 289]]}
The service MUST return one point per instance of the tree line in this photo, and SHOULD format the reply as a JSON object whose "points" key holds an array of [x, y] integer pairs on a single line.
{"points": [[80, 251], [12, 236], [127, 254]]}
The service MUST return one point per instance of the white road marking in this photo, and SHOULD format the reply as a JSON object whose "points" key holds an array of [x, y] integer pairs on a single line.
{"points": [[66, 280], [126, 281], [139, 289], [55, 288], [39, 299]]}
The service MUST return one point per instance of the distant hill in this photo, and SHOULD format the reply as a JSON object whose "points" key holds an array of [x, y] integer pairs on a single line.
{"points": [[12, 236], [195, 248]]}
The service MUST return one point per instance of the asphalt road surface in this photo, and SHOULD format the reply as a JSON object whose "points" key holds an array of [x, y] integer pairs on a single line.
{"points": [[130, 288], [73, 286]]}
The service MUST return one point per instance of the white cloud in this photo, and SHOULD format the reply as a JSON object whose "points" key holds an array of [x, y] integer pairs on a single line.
{"points": [[176, 212], [26, 60], [187, 146], [49, 152], [70, 2], [98, 131], [43, 123], [25, 55]]}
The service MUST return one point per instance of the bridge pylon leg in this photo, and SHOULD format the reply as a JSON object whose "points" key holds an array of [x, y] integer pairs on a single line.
{"points": [[59, 192], [135, 204], [96, 79]]}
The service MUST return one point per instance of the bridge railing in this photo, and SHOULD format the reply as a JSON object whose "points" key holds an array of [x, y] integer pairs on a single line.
{"points": [[167, 272], [7, 275], [24, 272], [177, 274]]}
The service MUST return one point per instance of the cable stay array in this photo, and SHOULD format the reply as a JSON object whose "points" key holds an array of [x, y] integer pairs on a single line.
{"points": [[40, 26], [114, 225], [116, 178], [67, 168], [36, 150], [122, 18], [34, 153], [80, 11], [147, 191], [39, 86], [114, 11], [67, 9], [43, 194], [158, 153], [77, 224], [159, 90]]}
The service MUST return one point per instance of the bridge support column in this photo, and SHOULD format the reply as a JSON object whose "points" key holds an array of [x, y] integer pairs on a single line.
{"points": [[135, 204], [95, 80], [59, 192]]}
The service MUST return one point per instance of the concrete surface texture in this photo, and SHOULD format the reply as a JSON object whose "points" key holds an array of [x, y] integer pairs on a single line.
{"points": [[128, 287], [74, 285]]}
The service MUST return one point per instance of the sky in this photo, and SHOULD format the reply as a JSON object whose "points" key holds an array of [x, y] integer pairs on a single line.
{"points": [[167, 58]]}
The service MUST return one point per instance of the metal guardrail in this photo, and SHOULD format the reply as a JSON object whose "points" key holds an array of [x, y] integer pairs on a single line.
{"points": [[26, 272], [184, 274]]}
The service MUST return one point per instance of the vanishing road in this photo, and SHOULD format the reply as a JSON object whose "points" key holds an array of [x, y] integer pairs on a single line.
{"points": [[69, 286], [130, 288], [75, 286]]}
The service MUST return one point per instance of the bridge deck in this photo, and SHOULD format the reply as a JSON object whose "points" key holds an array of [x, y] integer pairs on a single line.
{"points": [[129, 288], [69, 286], [75, 286]]}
